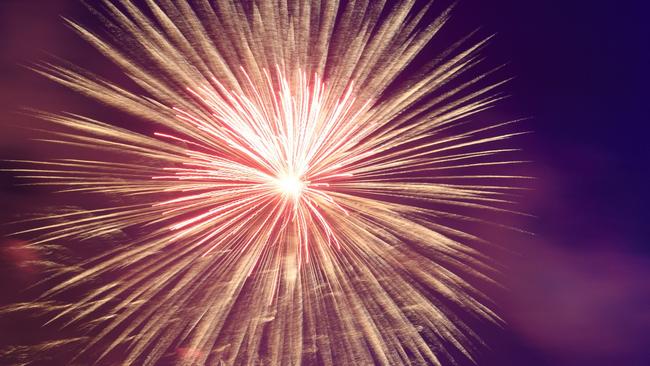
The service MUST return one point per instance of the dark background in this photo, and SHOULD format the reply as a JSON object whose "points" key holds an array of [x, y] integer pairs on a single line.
{"points": [[579, 291]]}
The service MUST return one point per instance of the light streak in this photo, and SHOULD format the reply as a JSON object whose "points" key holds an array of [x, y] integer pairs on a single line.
{"points": [[294, 200]]}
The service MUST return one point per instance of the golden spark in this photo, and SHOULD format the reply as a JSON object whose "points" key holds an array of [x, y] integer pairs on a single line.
{"points": [[295, 203]]}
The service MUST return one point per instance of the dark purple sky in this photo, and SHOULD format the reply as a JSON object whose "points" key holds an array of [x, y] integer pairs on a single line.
{"points": [[578, 290], [580, 293]]}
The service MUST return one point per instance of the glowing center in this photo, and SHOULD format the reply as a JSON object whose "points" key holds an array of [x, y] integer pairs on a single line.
{"points": [[290, 185]]}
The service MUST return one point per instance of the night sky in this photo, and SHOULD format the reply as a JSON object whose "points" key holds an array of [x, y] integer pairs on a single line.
{"points": [[578, 290]]}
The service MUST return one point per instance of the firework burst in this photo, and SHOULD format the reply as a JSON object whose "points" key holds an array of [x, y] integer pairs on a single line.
{"points": [[290, 206]]}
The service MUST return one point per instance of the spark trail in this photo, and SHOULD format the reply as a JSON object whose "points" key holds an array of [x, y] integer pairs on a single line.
{"points": [[293, 205]]}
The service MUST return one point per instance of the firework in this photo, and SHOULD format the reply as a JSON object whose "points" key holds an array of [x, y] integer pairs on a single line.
{"points": [[290, 206]]}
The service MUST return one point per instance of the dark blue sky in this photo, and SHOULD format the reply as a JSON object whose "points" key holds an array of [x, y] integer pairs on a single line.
{"points": [[582, 72]]}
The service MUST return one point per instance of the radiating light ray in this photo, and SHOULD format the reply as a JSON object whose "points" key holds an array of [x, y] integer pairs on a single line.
{"points": [[294, 202]]}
